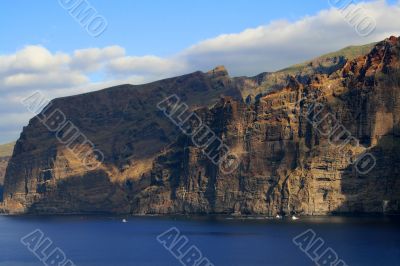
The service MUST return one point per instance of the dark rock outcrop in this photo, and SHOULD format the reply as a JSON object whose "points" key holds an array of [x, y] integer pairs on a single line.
{"points": [[3, 166], [5, 155]]}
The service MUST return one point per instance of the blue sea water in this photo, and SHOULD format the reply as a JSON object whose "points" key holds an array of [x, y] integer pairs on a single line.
{"points": [[101, 240]]}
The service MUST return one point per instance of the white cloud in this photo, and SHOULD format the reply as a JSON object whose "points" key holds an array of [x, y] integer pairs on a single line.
{"points": [[15, 118], [270, 47], [254, 50], [93, 58], [44, 80], [281, 43], [146, 65], [31, 59]]}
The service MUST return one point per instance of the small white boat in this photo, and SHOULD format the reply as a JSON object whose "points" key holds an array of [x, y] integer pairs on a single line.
{"points": [[278, 216], [294, 217], [124, 221]]}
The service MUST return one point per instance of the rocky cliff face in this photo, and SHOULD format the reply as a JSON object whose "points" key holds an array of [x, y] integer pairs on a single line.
{"points": [[5, 155], [321, 141], [3, 166]]}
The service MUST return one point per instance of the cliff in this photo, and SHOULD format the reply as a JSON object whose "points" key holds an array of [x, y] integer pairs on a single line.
{"points": [[5, 155], [319, 139]]}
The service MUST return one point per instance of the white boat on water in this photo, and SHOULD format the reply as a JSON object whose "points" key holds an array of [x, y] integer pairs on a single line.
{"points": [[124, 221], [294, 217], [278, 216]]}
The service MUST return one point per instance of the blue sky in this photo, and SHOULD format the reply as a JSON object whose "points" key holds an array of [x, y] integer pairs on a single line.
{"points": [[44, 48], [143, 27]]}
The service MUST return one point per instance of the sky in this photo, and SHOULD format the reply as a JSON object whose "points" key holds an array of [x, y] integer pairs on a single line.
{"points": [[45, 48]]}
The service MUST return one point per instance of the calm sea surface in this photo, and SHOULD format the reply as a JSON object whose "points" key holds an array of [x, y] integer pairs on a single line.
{"points": [[104, 240]]}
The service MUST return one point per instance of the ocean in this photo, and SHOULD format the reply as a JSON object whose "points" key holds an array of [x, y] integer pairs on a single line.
{"points": [[103, 240]]}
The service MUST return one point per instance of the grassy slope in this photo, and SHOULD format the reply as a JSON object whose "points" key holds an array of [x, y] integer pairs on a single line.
{"points": [[6, 149], [349, 52]]}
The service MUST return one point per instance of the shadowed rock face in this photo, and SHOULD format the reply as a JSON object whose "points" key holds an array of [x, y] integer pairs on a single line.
{"points": [[5, 155], [3, 166], [287, 165]]}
